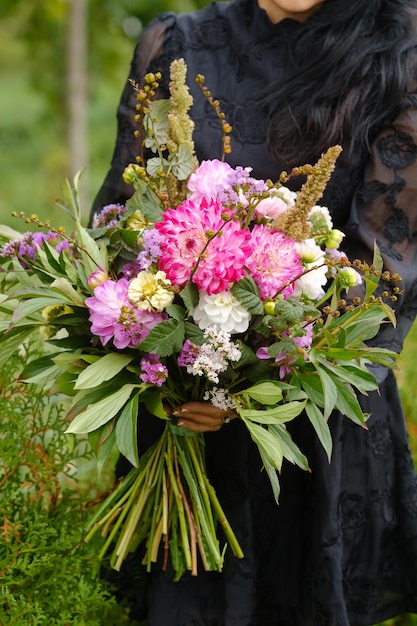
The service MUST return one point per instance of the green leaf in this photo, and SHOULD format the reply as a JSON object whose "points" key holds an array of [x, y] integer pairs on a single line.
{"points": [[50, 260], [311, 384], [268, 392], [35, 303], [320, 426], [247, 292], [102, 442], [329, 389], [291, 451], [164, 339], [156, 124], [94, 253], [104, 369], [189, 296], [248, 356], [194, 333], [153, 403], [127, 431], [285, 346], [64, 384], [12, 340], [277, 415], [43, 376], [182, 163], [176, 312], [101, 412], [293, 311], [269, 444], [348, 404], [363, 325], [353, 375], [372, 280], [63, 286], [272, 475], [155, 165], [129, 237], [9, 233], [147, 202]]}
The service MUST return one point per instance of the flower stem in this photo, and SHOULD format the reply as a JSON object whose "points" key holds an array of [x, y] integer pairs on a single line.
{"points": [[169, 456]]}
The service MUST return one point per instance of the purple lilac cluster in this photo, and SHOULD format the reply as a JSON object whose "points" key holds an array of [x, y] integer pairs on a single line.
{"points": [[28, 245], [109, 216], [153, 371], [151, 252]]}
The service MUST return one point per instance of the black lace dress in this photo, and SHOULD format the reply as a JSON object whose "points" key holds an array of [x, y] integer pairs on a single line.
{"points": [[341, 547]]}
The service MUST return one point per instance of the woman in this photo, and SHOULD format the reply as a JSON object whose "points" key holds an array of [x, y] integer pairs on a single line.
{"points": [[294, 77]]}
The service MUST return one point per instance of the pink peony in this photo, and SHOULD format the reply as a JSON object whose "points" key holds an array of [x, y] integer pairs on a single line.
{"points": [[210, 177], [113, 316], [270, 208], [274, 263], [199, 246]]}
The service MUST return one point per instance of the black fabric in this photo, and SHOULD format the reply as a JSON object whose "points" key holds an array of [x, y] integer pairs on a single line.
{"points": [[341, 546]]}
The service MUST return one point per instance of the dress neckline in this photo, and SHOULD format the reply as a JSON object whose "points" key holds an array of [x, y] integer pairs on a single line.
{"points": [[259, 22]]}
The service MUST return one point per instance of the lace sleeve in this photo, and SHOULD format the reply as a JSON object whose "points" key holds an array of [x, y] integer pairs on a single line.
{"points": [[148, 56], [385, 212]]}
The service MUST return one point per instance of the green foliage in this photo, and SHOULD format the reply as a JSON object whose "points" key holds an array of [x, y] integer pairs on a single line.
{"points": [[48, 574]]}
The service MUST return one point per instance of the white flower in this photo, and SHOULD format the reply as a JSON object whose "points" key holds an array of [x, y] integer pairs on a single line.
{"points": [[214, 355], [219, 398], [334, 239], [151, 292], [320, 219], [222, 311], [310, 252], [287, 195], [350, 277], [312, 282]]}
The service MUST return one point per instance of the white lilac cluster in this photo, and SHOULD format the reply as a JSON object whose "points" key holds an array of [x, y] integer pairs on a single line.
{"points": [[213, 357], [220, 398]]}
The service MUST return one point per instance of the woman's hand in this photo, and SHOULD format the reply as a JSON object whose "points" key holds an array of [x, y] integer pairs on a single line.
{"points": [[202, 417]]}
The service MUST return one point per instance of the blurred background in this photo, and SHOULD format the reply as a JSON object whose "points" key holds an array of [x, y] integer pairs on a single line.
{"points": [[63, 64]]}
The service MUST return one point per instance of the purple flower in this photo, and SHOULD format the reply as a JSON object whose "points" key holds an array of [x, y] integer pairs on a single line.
{"points": [[188, 354], [152, 240], [131, 270], [113, 316], [153, 371], [28, 245], [109, 216]]}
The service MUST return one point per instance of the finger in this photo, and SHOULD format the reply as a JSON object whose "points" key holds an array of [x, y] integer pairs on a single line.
{"points": [[199, 425], [215, 420], [200, 408], [204, 408]]}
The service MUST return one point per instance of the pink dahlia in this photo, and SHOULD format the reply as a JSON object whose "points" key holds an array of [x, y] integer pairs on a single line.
{"points": [[199, 245], [113, 316], [274, 263]]}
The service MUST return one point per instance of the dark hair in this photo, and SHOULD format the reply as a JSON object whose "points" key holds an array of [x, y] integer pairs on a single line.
{"points": [[351, 65]]}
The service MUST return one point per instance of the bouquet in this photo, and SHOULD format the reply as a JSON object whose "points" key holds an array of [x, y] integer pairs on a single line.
{"points": [[207, 285]]}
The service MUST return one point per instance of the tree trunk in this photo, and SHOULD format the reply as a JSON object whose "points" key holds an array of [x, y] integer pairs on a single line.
{"points": [[78, 94]]}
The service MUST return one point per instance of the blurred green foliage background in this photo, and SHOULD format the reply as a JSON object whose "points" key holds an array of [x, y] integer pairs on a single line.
{"points": [[35, 56]]}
